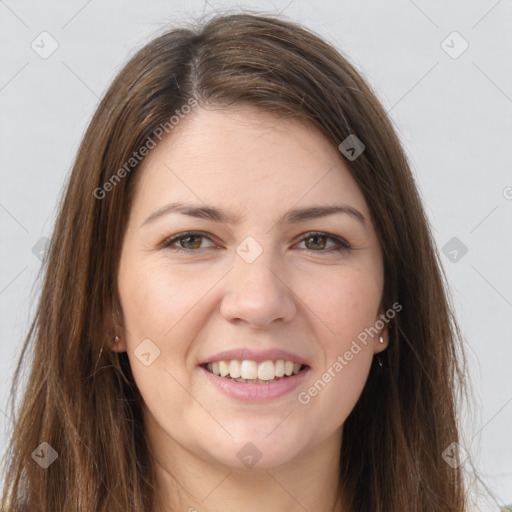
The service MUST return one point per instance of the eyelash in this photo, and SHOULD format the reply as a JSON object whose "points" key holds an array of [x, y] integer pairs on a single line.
{"points": [[168, 243]]}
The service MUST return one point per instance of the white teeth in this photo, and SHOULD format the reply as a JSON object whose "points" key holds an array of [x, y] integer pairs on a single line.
{"points": [[235, 369], [251, 370], [223, 368], [266, 370], [279, 368]]}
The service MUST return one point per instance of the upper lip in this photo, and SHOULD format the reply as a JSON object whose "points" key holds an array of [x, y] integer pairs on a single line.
{"points": [[259, 356]]}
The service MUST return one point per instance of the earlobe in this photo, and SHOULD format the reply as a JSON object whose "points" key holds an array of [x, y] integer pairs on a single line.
{"points": [[383, 341], [383, 337], [117, 345], [114, 328]]}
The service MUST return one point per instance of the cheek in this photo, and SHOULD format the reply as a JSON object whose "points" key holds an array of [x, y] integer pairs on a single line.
{"points": [[167, 306], [156, 299], [345, 306], [345, 303], [158, 309]]}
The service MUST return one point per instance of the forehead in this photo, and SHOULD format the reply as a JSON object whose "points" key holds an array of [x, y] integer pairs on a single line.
{"points": [[246, 158]]}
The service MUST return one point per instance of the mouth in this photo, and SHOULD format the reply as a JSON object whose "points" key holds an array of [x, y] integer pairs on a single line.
{"points": [[253, 372]]}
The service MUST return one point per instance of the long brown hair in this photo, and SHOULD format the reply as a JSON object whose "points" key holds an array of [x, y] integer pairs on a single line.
{"points": [[80, 396]]}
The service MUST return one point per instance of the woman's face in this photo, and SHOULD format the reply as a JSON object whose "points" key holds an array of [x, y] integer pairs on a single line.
{"points": [[252, 279]]}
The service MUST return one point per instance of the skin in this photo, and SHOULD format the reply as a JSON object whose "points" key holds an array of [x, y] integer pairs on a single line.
{"points": [[299, 295]]}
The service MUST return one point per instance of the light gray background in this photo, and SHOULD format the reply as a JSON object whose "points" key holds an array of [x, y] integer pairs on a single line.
{"points": [[453, 115]]}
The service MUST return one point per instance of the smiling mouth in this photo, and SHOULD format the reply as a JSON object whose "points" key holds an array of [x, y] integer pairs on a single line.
{"points": [[252, 372]]}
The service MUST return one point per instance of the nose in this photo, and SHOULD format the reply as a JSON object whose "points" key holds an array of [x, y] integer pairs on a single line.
{"points": [[258, 293]]}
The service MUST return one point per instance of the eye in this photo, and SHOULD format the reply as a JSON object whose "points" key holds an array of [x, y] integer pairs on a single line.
{"points": [[319, 239], [192, 241], [316, 241]]}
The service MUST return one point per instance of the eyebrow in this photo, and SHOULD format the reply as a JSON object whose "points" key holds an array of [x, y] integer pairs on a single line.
{"points": [[217, 215]]}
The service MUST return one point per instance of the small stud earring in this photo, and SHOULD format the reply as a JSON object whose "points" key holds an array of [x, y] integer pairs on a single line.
{"points": [[381, 339], [116, 339]]}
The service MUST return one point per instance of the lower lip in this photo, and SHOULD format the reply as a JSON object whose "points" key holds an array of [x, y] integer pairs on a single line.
{"points": [[255, 392]]}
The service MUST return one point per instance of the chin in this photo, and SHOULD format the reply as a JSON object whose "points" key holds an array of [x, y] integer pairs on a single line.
{"points": [[248, 457], [256, 449]]}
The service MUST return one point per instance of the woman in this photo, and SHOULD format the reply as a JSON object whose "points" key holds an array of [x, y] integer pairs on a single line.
{"points": [[242, 304]]}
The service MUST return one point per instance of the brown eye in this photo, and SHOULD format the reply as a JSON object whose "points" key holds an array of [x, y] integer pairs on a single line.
{"points": [[317, 242], [190, 241], [186, 242]]}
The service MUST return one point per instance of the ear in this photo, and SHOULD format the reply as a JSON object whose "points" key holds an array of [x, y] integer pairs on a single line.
{"points": [[113, 327], [382, 324]]}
